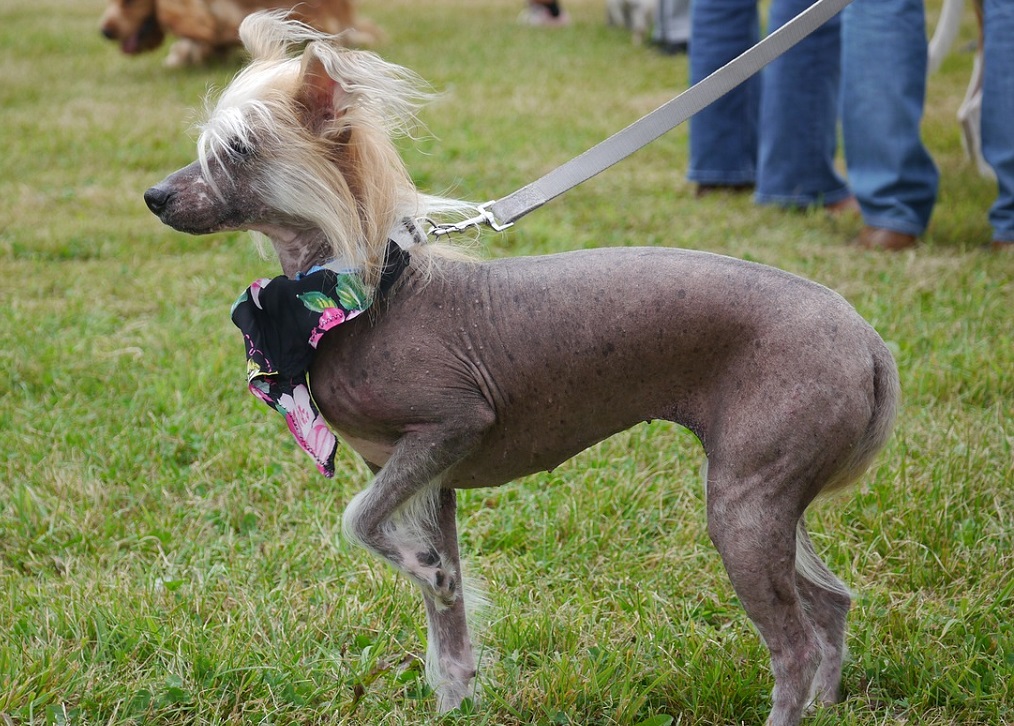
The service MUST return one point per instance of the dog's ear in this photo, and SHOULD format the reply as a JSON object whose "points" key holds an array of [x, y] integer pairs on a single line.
{"points": [[320, 96]]}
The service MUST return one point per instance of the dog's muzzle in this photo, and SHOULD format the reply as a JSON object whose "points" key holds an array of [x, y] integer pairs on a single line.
{"points": [[182, 201]]}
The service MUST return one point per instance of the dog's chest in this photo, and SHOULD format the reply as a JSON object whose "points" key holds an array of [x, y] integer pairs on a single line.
{"points": [[375, 453]]}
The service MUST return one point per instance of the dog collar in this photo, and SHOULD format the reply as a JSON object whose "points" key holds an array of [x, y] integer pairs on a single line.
{"points": [[283, 321]]}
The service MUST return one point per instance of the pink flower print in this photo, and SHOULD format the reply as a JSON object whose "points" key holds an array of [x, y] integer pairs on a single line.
{"points": [[262, 390], [255, 290], [330, 318], [299, 412], [308, 426], [321, 443]]}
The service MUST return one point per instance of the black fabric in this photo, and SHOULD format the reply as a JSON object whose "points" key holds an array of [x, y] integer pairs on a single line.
{"points": [[282, 322]]}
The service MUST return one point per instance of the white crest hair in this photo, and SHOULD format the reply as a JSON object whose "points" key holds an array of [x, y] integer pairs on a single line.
{"points": [[345, 178]]}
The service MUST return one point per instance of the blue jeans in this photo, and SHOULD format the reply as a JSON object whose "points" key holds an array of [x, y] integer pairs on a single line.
{"points": [[883, 88], [777, 130], [998, 111]]}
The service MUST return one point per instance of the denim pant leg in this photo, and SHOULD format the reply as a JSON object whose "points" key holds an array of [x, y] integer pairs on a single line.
{"points": [[998, 111], [883, 90], [723, 137], [799, 116]]}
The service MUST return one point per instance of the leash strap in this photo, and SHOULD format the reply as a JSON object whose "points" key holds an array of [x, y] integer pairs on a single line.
{"points": [[500, 214]]}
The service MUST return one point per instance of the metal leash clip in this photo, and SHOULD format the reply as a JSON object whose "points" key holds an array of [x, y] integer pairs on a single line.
{"points": [[484, 217]]}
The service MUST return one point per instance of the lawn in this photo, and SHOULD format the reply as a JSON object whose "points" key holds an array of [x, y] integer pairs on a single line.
{"points": [[167, 555]]}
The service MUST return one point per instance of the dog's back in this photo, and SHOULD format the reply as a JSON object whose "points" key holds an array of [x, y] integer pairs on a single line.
{"points": [[610, 338], [204, 28], [218, 23]]}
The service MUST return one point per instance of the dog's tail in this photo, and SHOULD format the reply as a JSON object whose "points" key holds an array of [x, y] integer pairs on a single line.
{"points": [[810, 567]]}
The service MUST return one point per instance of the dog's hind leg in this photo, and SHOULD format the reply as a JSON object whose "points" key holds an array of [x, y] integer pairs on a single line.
{"points": [[826, 601], [753, 526]]}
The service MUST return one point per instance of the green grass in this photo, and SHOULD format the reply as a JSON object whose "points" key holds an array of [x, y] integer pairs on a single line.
{"points": [[168, 556]]}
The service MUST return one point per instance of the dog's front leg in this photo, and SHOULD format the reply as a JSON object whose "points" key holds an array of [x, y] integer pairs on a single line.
{"points": [[407, 518], [396, 517], [450, 662], [188, 52]]}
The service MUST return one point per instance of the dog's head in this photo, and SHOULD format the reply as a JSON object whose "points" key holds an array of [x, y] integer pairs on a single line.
{"points": [[134, 24], [300, 147]]}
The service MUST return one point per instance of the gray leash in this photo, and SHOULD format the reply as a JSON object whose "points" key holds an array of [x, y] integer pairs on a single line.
{"points": [[501, 214]]}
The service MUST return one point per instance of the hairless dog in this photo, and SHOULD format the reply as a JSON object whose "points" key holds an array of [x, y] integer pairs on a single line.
{"points": [[464, 373]]}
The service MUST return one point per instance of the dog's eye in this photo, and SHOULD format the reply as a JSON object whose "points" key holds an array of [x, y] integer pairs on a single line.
{"points": [[240, 149]]}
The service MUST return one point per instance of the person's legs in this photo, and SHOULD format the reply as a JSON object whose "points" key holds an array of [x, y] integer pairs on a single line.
{"points": [[799, 117], [723, 137], [998, 111], [883, 89]]}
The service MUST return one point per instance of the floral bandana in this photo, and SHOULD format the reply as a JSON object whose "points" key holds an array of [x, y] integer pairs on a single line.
{"points": [[282, 322]]}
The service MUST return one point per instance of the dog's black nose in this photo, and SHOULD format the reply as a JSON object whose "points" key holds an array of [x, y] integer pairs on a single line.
{"points": [[157, 198], [108, 33]]}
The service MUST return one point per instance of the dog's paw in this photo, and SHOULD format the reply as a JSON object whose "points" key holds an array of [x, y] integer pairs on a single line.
{"points": [[186, 52]]}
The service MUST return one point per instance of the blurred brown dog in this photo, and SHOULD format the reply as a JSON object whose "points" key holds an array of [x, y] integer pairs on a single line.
{"points": [[206, 27]]}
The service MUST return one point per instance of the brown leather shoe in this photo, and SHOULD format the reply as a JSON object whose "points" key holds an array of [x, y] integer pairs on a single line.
{"points": [[843, 207], [704, 190], [878, 238], [998, 246]]}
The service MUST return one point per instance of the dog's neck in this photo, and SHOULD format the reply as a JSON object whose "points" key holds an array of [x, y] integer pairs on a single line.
{"points": [[297, 250]]}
